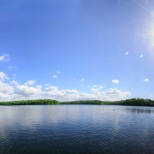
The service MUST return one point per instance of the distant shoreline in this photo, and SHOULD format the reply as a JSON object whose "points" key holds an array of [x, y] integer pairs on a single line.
{"points": [[128, 102], [32, 102]]}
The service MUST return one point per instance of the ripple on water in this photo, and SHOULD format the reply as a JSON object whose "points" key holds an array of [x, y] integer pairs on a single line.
{"points": [[78, 129]]}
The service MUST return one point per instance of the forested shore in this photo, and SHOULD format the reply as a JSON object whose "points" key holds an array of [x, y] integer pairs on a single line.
{"points": [[128, 102], [32, 102]]}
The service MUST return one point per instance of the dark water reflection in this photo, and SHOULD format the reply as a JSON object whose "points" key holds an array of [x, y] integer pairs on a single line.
{"points": [[76, 129], [141, 110]]}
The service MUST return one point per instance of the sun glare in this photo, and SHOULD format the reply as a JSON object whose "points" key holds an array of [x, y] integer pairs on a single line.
{"points": [[148, 39], [151, 36]]}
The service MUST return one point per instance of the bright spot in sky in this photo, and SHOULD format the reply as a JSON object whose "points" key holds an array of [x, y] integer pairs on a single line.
{"points": [[70, 46], [151, 35], [141, 56], [126, 53], [115, 81], [54, 76], [82, 80], [146, 80]]}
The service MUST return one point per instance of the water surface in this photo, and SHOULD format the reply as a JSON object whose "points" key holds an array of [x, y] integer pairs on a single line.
{"points": [[76, 129]]}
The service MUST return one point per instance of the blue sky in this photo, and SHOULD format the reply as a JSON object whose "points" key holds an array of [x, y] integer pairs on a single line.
{"points": [[76, 49]]}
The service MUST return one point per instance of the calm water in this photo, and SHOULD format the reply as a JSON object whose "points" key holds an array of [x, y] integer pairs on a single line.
{"points": [[76, 129]]}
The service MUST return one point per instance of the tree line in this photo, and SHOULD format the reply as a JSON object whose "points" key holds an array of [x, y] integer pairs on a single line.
{"points": [[32, 102], [129, 102]]}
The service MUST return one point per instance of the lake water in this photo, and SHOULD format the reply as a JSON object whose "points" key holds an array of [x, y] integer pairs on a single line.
{"points": [[76, 129]]}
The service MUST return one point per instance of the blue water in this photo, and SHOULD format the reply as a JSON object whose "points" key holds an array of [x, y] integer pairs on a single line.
{"points": [[76, 129]]}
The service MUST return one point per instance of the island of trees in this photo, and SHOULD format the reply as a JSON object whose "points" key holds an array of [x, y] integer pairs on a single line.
{"points": [[128, 102]]}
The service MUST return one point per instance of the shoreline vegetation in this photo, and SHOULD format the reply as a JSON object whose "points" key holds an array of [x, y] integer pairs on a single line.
{"points": [[128, 102], [32, 102]]}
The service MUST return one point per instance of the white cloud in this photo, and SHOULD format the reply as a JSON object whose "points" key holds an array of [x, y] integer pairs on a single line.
{"points": [[47, 85], [6, 91], [146, 80], [112, 92], [6, 88], [51, 88], [4, 57], [12, 67], [30, 82], [21, 92], [29, 90], [3, 76], [14, 83], [126, 53], [82, 80], [115, 81], [141, 56], [73, 94], [26, 91], [96, 88], [54, 76]]}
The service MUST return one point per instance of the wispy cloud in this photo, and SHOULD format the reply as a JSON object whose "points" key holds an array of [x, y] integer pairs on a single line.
{"points": [[30, 82], [58, 72], [82, 80], [96, 88], [126, 53], [54, 76], [112, 92], [4, 57], [115, 81], [12, 67], [14, 76], [146, 80], [141, 56]]}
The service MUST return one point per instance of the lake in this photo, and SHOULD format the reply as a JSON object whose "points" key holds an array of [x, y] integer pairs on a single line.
{"points": [[76, 129]]}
